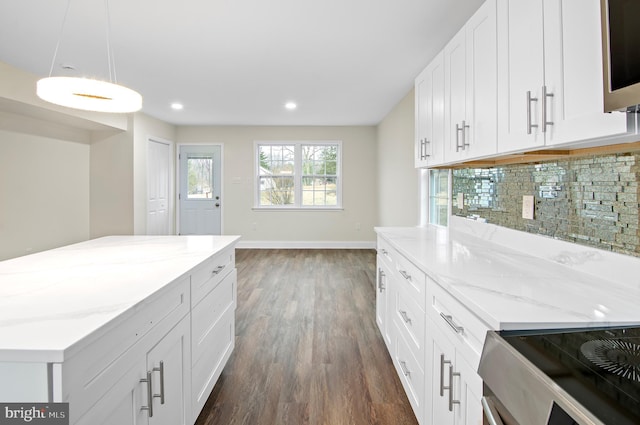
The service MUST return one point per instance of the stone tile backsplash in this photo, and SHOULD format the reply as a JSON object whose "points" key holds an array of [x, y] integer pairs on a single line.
{"points": [[587, 200]]}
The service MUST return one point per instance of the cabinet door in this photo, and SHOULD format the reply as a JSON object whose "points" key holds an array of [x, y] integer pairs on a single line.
{"points": [[455, 97], [429, 115], [383, 303], [423, 113], [169, 364], [481, 86], [520, 71], [573, 73], [442, 359], [470, 392], [121, 405]]}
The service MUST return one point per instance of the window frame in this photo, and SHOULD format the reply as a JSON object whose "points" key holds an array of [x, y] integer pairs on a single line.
{"points": [[297, 175]]}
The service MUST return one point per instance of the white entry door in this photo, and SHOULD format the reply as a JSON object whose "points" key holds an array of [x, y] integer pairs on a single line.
{"points": [[200, 190], [158, 188]]}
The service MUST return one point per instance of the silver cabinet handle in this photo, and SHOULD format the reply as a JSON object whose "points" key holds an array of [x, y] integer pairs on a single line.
{"points": [[149, 406], [442, 363], [490, 411], [529, 100], [405, 317], [161, 370], [545, 95], [423, 149], [465, 126], [381, 275], [405, 370], [405, 274], [451, 375], [450, 322], [450, 386], [458, 130], [217, 270]]}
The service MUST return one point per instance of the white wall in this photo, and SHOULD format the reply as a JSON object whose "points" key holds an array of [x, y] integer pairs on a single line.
{"points": [[111, 200], [295, 228], [44, 193], [398, 180]]}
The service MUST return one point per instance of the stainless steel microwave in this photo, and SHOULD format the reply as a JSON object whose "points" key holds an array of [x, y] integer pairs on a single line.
{"points": [[620, 53]]}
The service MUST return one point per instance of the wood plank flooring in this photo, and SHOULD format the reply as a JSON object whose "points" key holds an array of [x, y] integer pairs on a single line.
{"points": [[308, 350]]}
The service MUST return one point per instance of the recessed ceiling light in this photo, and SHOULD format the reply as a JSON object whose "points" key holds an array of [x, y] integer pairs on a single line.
{"points": [[177, 106], [290, 106]]}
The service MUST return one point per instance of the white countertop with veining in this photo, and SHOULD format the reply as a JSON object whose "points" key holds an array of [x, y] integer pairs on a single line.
{"points": [[515, 280], [51, 300]]}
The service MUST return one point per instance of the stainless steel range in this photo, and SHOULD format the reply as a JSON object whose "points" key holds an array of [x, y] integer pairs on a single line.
{"points": [[584, 377]]}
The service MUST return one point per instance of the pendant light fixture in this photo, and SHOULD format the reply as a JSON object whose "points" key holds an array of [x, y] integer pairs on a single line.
{"points": [[87, 93]]}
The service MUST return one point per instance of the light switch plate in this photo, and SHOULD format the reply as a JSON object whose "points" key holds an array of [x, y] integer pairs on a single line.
{"points": [[527, 207], [460, 201]]}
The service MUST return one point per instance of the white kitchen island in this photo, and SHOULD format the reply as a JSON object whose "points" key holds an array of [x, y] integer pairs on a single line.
{"points": [[440, 290], [126, 329]]}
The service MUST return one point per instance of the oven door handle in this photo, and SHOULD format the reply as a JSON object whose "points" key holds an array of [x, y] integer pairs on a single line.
{"points": [[490, 411]]}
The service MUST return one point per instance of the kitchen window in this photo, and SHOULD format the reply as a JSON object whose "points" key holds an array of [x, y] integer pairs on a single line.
{"points": [[439, 198], [298, 175]]}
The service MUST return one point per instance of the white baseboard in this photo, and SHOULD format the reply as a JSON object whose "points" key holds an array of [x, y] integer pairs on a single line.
{"points": [[306, 244]]}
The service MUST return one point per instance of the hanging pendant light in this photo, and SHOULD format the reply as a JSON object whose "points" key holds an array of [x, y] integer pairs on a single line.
{"points": [[86, 93]]}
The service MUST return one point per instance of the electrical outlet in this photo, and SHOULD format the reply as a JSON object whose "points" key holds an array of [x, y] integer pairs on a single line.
{"points": [[358, 226], [527, 207], [460, 201]]}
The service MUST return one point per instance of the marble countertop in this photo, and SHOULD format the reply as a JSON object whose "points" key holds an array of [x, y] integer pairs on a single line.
{"points": [[514, 280], [51, 300]]}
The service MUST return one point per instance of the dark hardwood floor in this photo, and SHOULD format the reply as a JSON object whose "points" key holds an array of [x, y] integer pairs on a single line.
{"points": [[308, 350]]}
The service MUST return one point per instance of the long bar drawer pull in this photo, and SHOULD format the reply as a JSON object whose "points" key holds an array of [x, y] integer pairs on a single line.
{"points": [[381, 276], [490, 411], [449, 320], [161, 370], [405, 274], [405, 370], [217, 270], [149, 407], [406, 318]]}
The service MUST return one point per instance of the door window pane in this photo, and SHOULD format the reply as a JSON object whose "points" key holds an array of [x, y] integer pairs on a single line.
{"points": [[200, 172]]}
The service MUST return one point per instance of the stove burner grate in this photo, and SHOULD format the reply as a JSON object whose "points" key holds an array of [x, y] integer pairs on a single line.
{"points": [[620, 358]]}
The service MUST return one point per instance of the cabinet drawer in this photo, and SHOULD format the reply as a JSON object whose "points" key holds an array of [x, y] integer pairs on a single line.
{"points": [[411, 279], [410, 319], [386, 253], [92, 372], [206, 315], [411, 375], [207, 275], [460, 324]]}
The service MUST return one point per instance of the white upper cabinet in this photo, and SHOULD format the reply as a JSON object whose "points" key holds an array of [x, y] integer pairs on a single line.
{"points": [[470, 64], [429, 110], [550, 75]]}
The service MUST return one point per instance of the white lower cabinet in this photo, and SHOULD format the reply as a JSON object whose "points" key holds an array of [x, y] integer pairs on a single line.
{"points": [[456, 388], [435, 342], [154, 390]]}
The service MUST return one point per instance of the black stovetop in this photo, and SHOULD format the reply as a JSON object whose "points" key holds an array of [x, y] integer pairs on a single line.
{"points": [[600, 368]]}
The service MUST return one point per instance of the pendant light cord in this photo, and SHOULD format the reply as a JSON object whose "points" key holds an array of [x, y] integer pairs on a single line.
{"points": [[111, 62], [55, 52], [110, 56]]}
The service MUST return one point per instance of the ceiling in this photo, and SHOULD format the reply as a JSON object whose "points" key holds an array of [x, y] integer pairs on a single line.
{"points": [[237, 62]]}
